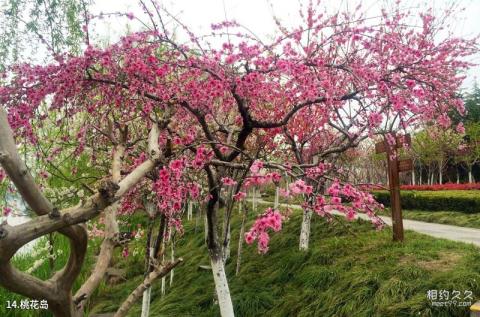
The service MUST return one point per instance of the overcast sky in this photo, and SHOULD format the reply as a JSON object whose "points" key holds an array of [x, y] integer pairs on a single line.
{"points": [[257, 15]]}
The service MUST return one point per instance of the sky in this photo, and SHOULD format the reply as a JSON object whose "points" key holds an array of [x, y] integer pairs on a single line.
{"points": [[257, 15]]}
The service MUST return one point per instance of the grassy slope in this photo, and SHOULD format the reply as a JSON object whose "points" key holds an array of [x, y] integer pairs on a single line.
{"points": [[341, 275]]}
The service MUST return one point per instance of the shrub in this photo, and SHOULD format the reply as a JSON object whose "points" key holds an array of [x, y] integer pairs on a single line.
{"points": [[447, 186], [461, 201]]}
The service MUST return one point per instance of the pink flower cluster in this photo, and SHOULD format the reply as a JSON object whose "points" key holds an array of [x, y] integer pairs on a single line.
{"points": [[299, 187], [239, 196], [201, 157], [359, 201], [2, 174], [7, 211], [256, 167], [271, 219], [172, 190], [227, 181], [318, 170]]}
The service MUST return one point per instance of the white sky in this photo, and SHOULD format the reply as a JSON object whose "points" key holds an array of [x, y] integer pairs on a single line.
{"points": [[257, 16]]}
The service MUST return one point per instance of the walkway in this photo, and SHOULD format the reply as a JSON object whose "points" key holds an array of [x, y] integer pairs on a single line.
{"points": [[455, 233]]}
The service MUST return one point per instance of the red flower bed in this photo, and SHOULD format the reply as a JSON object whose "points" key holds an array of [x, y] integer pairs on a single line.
{"points": [[447, 186]]}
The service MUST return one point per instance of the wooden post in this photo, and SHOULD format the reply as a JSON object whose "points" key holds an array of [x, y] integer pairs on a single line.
{"points": [[394, 185], [395, 166]]}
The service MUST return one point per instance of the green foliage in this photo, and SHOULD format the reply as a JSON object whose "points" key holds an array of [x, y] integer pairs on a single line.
{"points": [[24, 261], [451, 200], [54, 24], [341, 275], [444, 217], [472, 105], [434, 145]]}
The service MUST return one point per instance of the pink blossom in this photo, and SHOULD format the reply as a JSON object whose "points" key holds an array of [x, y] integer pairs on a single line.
{"points": [[239, 196], [444, 120], [7, 211], [271, 219], [256, 166], [460, 128], [227, 181]]}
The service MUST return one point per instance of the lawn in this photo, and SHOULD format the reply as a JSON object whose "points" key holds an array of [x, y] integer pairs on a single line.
{"points": [[443, 217]]}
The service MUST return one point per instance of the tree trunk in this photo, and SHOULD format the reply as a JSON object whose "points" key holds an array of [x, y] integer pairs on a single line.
{"points": [[413, 176], [470, 174], [135, 295], [458, 176], [172, 243], [241, 238], [221, 285], [305, 230], [440, 173], [227, 225], [277, 189], [147, 293], [189, 210]]}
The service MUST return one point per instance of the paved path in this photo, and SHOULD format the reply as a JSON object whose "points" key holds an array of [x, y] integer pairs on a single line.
{"points": [[455, 233]]}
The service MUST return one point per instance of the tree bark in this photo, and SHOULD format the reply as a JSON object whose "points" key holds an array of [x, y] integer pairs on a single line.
{"points": [[221, 286], [215, 247], [57, 289], [241, 237], [305, 230], [137, 293], [440, 173], [111, 232]]}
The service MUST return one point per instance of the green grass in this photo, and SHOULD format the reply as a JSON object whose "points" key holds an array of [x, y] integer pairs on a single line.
{"points": [[341, 275], [462, 201], [25, 260], [443, 217]]}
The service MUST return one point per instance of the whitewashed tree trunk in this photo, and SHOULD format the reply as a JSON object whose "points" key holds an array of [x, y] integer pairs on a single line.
{"points": [[241, 238], [413, 176], [163, 260], [190, 210], [470, 175], [172, 259], [254, 200], [440, 173], [147, 294], [305, 230], [226, 247], [221, 287], [163, 279], [275, 206]]}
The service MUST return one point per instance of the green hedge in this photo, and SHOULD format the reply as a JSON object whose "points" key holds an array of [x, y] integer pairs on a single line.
{"points": [[461, 201]]}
